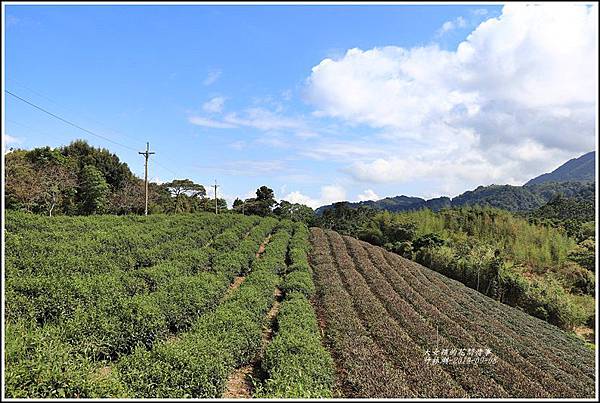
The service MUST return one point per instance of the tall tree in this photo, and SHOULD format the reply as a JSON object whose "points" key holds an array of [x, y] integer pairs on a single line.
{"points": [[93, 191], [59, 184], [23, 186], [182, 189], [294, 212], [263, 203]]}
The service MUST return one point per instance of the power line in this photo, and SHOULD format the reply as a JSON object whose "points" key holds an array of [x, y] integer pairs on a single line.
{"points": [[89, 117], [68, 122], [82, 128]]}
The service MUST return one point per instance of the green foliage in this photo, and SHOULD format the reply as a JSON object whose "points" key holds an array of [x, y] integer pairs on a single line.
{"points": [[199, 363], [81, 179], [40, 365], [93, 191], [296, 363], [584, 254], [298, 366], [294, 212], [121, 286], [298, 281]]}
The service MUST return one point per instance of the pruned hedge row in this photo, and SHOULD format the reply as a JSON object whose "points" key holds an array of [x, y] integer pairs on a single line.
{"points": [[298, 275], [38, 364], [297, 364], [68, 246], [106, 316], [200, 361], [44, 298]]}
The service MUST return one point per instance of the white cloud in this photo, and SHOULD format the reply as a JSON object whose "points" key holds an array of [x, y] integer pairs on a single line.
{"points": [[368, 194], [297, 197], [458, 22], [332, 193], [256, 117], [214, 105], [8, 139], [479, 11], [247, 167], [212, 123], [329, 194], [212, 77], [263, 119], [515, 98]]}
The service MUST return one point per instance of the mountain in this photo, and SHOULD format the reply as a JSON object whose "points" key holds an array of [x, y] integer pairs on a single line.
{"points": [[575, 178], [582, 169], [398, 203]]}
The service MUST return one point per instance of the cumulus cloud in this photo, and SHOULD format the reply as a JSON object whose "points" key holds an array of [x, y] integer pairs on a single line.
{"points": [[214, 105], [458, 22], [368, 194], [515, 98], [329, 194]]}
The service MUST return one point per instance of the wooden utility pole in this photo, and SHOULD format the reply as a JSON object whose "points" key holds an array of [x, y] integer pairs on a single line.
{"points": [[146, 154], [216, 186]]}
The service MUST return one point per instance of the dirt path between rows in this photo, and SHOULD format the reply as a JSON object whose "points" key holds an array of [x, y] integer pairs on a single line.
{"points": [[238, 280], [239, 384]]}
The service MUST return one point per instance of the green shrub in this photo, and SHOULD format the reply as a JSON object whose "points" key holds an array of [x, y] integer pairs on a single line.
{"points": [[40, 365], [299, 281], [298, 366]]}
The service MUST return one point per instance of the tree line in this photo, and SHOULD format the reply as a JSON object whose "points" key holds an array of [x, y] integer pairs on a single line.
{"points": [[79, 179]]}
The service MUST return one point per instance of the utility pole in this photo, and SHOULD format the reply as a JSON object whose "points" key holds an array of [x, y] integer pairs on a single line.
{"points": [[146, 154], [216, 186], [244, 207]]}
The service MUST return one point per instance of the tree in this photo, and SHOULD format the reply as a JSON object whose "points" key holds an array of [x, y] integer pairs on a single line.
{"points": [[585, 254], [23, 186], [58, 183], [130, 198], [93, 191], [263, 203], [182, 189], [431, 240], [115, 172], [294, 212]]}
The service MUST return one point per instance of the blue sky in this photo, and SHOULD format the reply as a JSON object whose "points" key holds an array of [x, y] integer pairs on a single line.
{"points": [[276, 95]]}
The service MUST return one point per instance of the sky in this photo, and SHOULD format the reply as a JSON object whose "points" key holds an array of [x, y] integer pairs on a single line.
{"points": [[320, 103]]}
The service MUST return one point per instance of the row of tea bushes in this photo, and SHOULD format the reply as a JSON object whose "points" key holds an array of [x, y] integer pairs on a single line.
{"points": [[199, 363], [297, 364]]}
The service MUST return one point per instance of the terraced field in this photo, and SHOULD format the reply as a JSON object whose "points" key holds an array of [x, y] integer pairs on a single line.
{"points": [[398, 329], [206, 306], [160, 306]]}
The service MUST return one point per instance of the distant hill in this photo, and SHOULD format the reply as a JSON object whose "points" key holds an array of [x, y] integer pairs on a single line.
{"points": [[575, 178], [582, 169], [398, 203]]}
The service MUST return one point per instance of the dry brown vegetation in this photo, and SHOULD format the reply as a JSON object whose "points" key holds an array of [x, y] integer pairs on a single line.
{"points": [[383, 314]]}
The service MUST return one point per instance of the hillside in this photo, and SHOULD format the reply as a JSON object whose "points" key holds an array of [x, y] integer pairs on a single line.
{"points": [[398, 329], [507, 197], [582, 169], [574, 178], [397, 203], [164, 306]]}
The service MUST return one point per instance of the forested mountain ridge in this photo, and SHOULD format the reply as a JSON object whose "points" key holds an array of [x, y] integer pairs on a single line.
{"points": [[575, 178], [580, 169], [508, 197]]}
